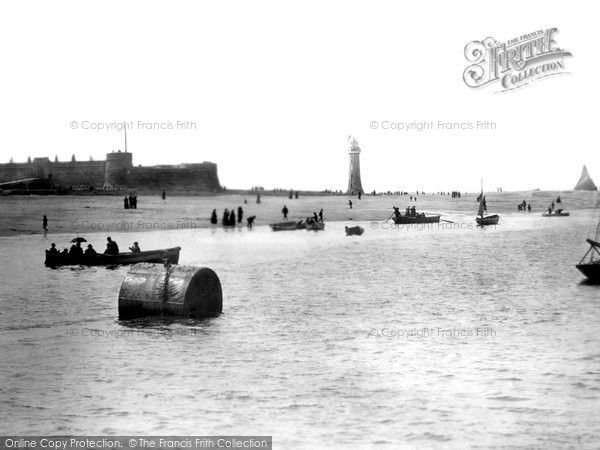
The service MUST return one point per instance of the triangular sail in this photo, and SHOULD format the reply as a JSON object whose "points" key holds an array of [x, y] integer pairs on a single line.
{"points": [[480, 212]]}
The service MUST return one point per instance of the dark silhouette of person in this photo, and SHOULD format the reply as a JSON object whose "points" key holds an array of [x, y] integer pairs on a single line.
{"points": [[125, 203], [396, 211], [53, 250], [133, 201], [213, 217], [359, 195], [285, 211], [552, 204], [111, 247], [257, 198], [350, 203], [321, 215], [529, 207], [240, 214], [413, 211], [164, 195], [225, 220], [45, 223], [76, 251], [135, 248], [315, 217], [232, 218], [89, 251], [558, 200], [250, 221]]}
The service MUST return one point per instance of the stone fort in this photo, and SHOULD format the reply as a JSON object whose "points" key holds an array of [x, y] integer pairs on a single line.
{"points": [[117, 171]]}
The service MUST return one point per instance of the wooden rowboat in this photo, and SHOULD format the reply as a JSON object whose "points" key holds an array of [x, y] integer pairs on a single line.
{"points": [[590, 267], [288, 226], [166, 255], [403, 219], [487, 220]]}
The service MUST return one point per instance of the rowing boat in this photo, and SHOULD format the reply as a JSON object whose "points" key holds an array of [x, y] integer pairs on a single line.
{"points": [[166, 255]]}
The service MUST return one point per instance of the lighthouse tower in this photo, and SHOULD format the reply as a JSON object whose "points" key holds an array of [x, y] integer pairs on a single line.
{"points": [[354, 183]]}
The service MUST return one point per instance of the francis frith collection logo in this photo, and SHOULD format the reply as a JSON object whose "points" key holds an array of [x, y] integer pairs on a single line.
{"points": [[515, 63]]}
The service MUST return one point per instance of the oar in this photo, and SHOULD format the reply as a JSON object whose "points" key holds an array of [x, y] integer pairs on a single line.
{"points": [[444, 220], [390, 217]]}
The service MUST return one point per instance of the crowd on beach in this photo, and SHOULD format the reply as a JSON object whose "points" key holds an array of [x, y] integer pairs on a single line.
{"points": [[130, 202]]}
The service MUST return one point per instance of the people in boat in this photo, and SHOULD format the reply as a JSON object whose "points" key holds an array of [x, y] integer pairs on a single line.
{"points": [[89, 251], [213, 217], [315, 217], [135, 248], [559, 211], [111, 247], [413, 211], [53, 250], [552, 204], [65, 252], [76, 251], [549, 210], [285, 211], [240, 214], [250, 221]]}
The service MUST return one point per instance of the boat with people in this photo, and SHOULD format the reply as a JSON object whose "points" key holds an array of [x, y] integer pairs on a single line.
{"points": [[411, 216], [288, 226], [590, 263], [315, 226], [164, 256], [482, 220], [557, 213]]}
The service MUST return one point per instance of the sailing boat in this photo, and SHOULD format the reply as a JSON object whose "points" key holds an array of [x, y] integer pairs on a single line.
{"points": [[590, 267], [487, 220]]}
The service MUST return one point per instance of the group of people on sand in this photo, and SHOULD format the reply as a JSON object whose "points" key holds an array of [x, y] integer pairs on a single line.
{"points": [[130, 202], [230, 219], [77, 252]]}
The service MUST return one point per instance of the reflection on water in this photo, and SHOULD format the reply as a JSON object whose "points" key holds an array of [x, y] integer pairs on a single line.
{"points": [[317, 343]]}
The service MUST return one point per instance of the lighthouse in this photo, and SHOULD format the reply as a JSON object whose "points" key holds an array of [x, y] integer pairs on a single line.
{"points": [[354, 183]]}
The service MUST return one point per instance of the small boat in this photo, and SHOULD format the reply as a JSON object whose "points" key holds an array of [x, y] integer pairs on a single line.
{"points": [[590, 263], [354, 231], [482, 220], [166, 256], [557, 213], [404, 219], [288, 226], [315, 226], [591, 267]]}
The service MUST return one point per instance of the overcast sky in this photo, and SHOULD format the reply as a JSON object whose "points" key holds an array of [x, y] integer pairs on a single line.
{"points": [[275, 88]]}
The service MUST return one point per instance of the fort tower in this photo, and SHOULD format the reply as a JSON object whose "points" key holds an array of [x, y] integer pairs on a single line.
{"points": [[354, 183]]}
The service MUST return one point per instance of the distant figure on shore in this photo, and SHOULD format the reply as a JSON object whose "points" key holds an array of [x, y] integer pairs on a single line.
{"points": [[135, 248], [296, 195], [225, 220], [321, 215], [240, 214], [284, 211], [558, 200], [89, 251], [359, 195], [250, 221], [232, 218], [213, 217], [529, 207], [257, 198], [411, 198], [76, 251], [111, 247], [125, 203], [132, 201], [245, 201], [45, 223], [350, 203], [164, 195], [53, 250]]}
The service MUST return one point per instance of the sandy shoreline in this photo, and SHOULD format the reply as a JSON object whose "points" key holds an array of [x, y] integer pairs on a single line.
{"points": [[79, 215]]}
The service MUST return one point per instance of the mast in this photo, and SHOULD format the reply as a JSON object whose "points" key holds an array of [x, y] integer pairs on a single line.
{"points": [[481, 200], [125, 129]]}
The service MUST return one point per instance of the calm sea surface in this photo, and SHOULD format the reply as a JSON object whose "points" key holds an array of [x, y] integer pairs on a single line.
{"points": [[440, 337]]}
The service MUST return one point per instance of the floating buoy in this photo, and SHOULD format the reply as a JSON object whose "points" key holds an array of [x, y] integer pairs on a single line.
{"points": [[158, 290]]}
